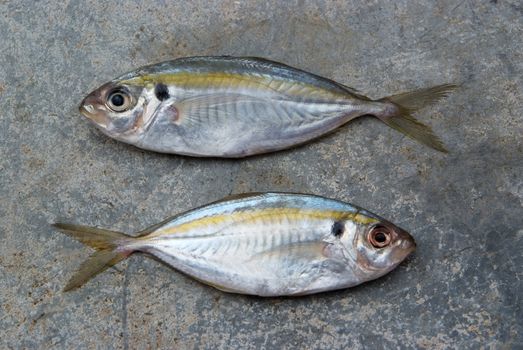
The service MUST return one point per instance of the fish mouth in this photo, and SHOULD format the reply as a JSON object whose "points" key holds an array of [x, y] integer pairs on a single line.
{"points": [[406, 245], [87, 110], [409, 245], [90, 110]]}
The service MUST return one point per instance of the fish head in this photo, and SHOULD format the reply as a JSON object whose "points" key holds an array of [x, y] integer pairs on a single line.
{"points": [[380, 246], [117, 109]]}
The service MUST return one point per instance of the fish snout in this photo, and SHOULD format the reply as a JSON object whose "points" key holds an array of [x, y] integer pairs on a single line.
{"points": [[93, 106], [406, 242], [89, 108]]}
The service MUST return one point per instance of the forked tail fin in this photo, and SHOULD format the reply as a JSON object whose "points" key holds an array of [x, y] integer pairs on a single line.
{"points": [[403, 105], [110, 246]]}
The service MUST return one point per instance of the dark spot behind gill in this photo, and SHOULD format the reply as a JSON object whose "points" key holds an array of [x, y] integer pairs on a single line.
{"points": [[161, 91], [338, 228]]}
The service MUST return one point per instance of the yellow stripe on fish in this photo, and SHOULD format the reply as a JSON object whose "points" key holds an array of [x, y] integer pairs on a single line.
{"points": [[233, 80], [250, 216]]}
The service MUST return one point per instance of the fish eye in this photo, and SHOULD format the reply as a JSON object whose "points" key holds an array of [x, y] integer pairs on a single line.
{"points": [[380, 236], [119, 100]]}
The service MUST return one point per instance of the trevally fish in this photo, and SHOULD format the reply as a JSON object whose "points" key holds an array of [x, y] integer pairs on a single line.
{"points": [[240, 106], [266, 244]]}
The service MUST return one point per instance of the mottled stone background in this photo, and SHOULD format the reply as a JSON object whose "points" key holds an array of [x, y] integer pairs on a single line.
{"points": [[462, 289]]}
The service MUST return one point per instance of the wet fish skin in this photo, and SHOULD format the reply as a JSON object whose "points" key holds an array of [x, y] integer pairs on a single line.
{"points": [[266, 244], [221, 106]]}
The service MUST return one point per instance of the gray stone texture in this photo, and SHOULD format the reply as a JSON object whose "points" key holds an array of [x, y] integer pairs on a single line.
{"points": [[462, 288]]}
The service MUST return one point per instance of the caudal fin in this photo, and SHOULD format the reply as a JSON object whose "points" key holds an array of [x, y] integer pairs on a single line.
{"points": [[110, 246], [404, 105]]}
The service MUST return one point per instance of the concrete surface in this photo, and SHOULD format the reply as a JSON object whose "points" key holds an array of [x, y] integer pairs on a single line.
{"points": [[462, 289]]}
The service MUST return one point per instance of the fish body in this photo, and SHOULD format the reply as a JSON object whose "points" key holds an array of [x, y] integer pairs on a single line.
{"points": [[222, 106], [269, 244]]}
